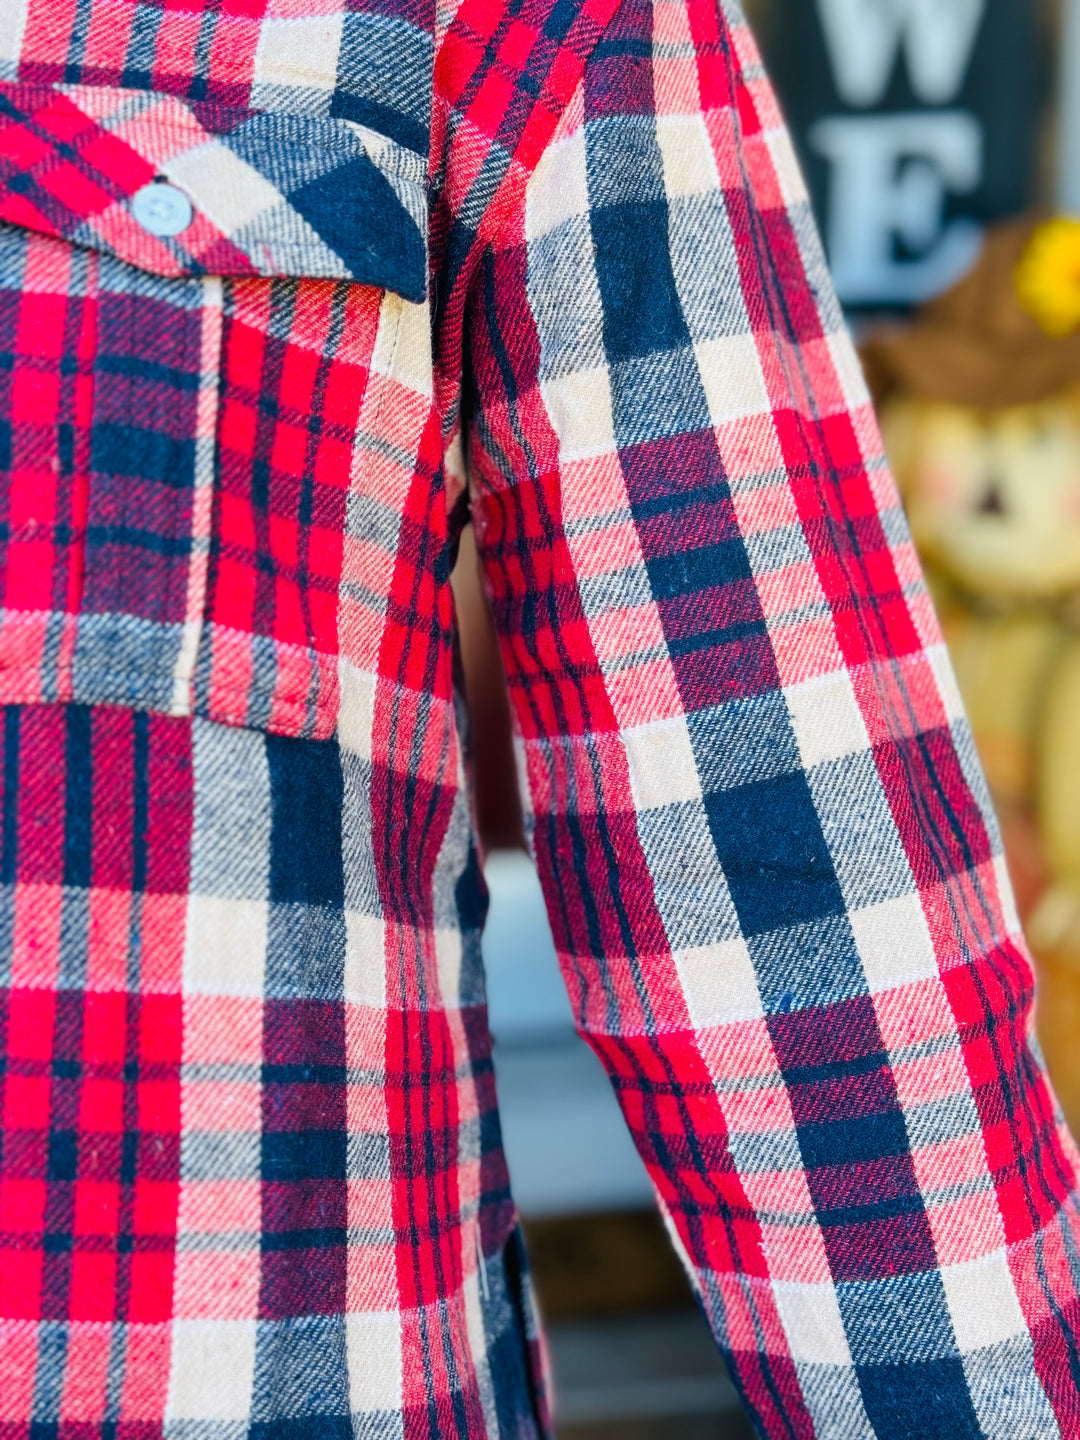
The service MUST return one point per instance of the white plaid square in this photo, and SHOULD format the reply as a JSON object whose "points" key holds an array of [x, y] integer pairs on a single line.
{"points": [[296, 62], [212, 1370], [894, 944], [718, 982], [948, 689], [357, 713], [812, 1323], [982, 1302], [225, 946], [662, 767], [559, 189], [579, 405], [373, 1347], [731, 374], [365, 959], [689, 166], [826, 719]]}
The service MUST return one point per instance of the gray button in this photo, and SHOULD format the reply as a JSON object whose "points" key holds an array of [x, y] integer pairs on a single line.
{"points": [[162, 209]]}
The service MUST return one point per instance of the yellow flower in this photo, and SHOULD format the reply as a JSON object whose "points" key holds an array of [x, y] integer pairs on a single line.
{"points": [[1048, 277]]}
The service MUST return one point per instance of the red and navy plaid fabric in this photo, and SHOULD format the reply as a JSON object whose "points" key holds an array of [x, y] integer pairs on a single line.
{"points": [[553, 259]]}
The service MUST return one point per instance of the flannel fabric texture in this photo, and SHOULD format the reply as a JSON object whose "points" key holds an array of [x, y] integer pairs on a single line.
{"points": [[550, 260]]}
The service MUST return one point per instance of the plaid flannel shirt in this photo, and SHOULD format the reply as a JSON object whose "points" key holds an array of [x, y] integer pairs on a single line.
{"points": [[552, 258]]}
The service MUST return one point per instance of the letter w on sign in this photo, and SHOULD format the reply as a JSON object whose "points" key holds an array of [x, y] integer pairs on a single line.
{"points": [[864, 36]]}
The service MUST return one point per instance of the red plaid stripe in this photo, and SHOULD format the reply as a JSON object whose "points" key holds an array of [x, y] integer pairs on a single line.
{"points": [[91, 1093], [45, 500]]}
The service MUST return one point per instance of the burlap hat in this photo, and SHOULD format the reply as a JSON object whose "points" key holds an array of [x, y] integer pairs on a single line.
{"points": [[976, 345]]}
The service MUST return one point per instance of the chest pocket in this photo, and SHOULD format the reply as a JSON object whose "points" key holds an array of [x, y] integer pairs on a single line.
{"points": [[191, 298]]}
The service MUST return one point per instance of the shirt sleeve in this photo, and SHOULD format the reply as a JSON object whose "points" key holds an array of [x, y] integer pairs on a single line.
{"points": [[772, 870]]}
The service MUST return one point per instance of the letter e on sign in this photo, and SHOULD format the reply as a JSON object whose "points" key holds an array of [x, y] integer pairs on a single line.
{"points": [[916, 122]]}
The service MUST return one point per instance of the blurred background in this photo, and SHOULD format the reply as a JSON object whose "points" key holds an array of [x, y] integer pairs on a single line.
{"points": [[941, 144]]}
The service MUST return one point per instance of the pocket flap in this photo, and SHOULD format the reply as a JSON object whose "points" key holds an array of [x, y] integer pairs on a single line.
{"points": [[270, 193]]}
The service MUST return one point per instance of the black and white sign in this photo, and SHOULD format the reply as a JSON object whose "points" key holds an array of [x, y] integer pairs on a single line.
{"points": [[916, 122]]}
